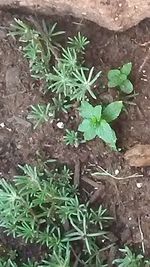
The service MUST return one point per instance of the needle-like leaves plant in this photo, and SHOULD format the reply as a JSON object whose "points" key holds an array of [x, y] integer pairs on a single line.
{"points": [[41, 113], [130, 259], [39, 44], [42, 207], [71, 138]]}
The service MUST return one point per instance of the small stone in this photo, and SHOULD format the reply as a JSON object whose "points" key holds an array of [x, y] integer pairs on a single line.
{"points": [[2, 125], [116, 172], [9, 130], [139, 185], [129, 218], [60, 125], [19, 146]]}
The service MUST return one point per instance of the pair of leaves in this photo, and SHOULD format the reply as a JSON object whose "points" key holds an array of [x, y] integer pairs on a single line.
{"points": [[96, 121], [119, 78]]}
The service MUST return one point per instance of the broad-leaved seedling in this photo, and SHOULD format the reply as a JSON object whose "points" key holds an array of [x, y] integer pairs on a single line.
{"points": [[119, 78], [96, 121]]}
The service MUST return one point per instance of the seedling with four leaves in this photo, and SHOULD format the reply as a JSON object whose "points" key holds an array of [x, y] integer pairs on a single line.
{"points": [[119, 78], [96, 121]]}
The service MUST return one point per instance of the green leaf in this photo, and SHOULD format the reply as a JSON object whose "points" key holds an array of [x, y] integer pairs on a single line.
{"points": [[86, 110], [107, 134], [113, 83], [85, 126], [126, 87], [97, 111], [112, 111], [88, 130], [89, 135], [126, 69], [115, 78], [112, 74], [122, 78]]}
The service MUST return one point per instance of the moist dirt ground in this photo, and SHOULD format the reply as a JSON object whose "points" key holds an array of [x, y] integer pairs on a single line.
{"points": [[127, 199]]}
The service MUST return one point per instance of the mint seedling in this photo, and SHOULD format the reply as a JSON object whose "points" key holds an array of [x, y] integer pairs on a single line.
{"points": [[96, 121], [119, 78]]}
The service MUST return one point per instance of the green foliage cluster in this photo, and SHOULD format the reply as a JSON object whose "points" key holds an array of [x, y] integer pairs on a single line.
{"points": [[39, 45], [96, 121], [72, 138], [41, 206], [130, 259], [119, 78], [68, 79]]}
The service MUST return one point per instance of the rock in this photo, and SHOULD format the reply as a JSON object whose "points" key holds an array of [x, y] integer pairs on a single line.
{"points": [[138, 156], [112, 14], [60, 125]]}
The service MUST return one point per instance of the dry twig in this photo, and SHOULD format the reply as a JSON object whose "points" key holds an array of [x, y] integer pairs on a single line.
{"points": [[106, 173], [142, 235]]}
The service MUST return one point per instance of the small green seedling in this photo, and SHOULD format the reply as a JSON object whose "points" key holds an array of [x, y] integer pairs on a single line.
{"points": [[78, 42], [71, 138], [96, 121], [41, 113], [119, 78], [130, 259]]}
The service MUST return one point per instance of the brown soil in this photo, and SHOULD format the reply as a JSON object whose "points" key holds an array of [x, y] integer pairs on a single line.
{"points": [[20, 144]]}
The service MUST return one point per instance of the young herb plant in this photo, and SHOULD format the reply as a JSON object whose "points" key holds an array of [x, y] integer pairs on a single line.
{"points": [[43, 207], [68, 77], [119, 78], [39, 45], [71, 138], [41, 113], [96, 121], [78, 43], [131, 259]]}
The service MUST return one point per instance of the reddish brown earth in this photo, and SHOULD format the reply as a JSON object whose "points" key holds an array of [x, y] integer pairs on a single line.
{"points": [[127, 200]]}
